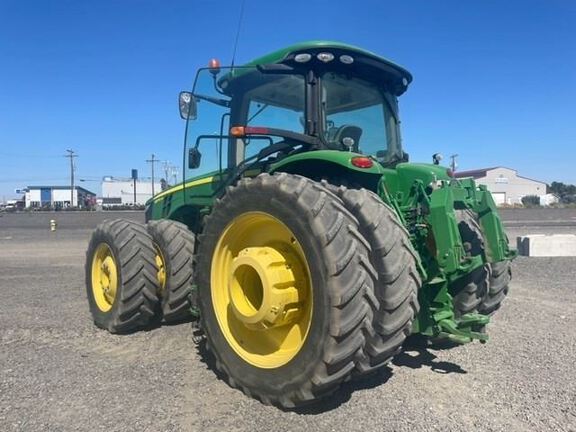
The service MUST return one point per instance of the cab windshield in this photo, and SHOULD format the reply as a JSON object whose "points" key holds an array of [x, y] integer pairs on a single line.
{"points": [[353, 115], [359, 116]]}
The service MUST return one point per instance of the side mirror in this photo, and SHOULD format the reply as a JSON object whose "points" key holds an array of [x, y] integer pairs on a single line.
{"points": [[194, 158], [187, 105]]}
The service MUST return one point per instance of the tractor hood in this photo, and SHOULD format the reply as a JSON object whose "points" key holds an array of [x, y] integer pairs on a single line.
{"points": [[425, 172]]}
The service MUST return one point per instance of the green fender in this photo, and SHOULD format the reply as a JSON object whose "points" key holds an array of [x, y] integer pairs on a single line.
{"points": [[330, 164]]}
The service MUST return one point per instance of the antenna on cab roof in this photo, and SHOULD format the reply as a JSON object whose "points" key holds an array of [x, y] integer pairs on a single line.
{"points": [[238, 31]]}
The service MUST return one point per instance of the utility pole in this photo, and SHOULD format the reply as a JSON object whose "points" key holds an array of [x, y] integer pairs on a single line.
{"points": [[71, 154], [166, 167], [174, 174], [453, 164], [169, 172], [152, 161]]}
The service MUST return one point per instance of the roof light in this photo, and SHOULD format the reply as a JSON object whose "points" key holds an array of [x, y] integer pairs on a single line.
{"points": [[302, 58], [237, 131], [346, 59], [325, 57], [362, 162], [214, 66]]}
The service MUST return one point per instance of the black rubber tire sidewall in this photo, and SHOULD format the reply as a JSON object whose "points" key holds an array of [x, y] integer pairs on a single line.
{"points": [[300, 369], [135, 303], [159, 230], [101, 319]]}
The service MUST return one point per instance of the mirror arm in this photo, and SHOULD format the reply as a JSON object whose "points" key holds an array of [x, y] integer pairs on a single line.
{"points": [[220, 102]]}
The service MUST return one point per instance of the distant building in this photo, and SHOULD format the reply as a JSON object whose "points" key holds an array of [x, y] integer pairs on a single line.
{"points": [[57, 197], [506, 186], [548, 200], [120, 191]]}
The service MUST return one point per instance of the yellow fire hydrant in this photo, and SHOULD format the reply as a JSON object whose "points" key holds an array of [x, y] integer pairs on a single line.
{"points": [[52, 225]]}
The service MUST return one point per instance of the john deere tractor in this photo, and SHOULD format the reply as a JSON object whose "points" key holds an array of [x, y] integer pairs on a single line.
{"points": [[302, 239]]}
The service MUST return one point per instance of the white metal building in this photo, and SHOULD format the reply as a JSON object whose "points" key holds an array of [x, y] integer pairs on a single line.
{"points": [[506, 186], [57, 196], [120, 191]]}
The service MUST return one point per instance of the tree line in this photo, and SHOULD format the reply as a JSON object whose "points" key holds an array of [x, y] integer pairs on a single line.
{"points": [[566, 193]]}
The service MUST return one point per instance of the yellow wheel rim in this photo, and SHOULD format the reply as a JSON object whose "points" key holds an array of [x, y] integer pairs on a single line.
{"points": [[261, 290], [161, 269], [104, 277]]}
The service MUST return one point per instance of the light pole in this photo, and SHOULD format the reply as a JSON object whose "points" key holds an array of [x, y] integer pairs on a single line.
{"points": [[135, 177]]}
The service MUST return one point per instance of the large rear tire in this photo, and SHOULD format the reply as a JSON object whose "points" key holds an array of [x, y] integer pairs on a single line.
{"points": [[121, 276], [395, 305], [174, 259], [283, 279]]}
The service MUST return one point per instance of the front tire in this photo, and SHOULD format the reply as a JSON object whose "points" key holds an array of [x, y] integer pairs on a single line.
{"points": [[471, 289], [283, 279], [499, 285], [121, 276]]}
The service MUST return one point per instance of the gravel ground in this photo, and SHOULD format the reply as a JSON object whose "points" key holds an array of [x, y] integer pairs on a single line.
{"points": [[59, 373]]}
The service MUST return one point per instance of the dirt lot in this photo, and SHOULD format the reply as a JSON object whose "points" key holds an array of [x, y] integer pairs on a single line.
{"points": [[59, 373]]}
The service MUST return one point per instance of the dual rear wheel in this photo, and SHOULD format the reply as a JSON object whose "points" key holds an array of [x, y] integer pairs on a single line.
{"points": [[300, 287], [136, 275]]}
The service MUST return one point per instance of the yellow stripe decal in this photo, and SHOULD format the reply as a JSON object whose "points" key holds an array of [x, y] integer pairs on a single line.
{"points": [[180, 187]]}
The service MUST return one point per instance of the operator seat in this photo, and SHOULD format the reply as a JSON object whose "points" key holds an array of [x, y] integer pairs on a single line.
{"points": [[345, 137]]}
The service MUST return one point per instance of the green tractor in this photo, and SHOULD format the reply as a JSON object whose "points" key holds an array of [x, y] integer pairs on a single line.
{"points": [[303, 240]]}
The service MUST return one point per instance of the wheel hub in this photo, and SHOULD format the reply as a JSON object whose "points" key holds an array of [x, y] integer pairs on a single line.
{"points": [[104, 277], [262, 288], [108, 274], [161, 269]]}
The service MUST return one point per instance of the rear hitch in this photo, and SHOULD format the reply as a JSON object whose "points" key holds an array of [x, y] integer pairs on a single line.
{"points": [[462, 330]]}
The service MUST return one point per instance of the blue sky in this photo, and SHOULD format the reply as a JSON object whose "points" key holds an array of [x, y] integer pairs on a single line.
{"points": [[494, 81]]}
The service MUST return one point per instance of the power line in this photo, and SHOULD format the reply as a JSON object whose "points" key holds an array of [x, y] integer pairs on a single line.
{"points": [[31, 156], [29, 179]]}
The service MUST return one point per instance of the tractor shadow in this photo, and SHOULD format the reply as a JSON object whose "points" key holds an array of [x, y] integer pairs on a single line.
{"points": [[417, 354], [342, 396], [344, 393], [413, 356], [158, 322], [422, 357]]}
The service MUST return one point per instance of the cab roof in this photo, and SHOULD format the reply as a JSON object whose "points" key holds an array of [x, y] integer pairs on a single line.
{"points": [[285, 54]]}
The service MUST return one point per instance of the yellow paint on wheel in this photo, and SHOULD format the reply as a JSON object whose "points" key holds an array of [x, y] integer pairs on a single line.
{"points": [[161, 268], [261, 290], [104, 277]]}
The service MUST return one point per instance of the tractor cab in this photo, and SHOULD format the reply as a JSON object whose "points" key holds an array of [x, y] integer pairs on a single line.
{"points": [[312, 96]]}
